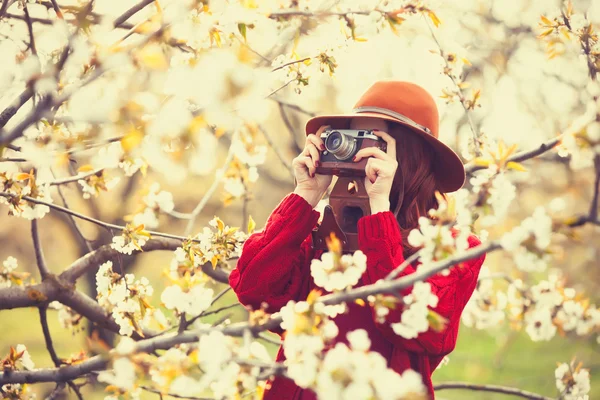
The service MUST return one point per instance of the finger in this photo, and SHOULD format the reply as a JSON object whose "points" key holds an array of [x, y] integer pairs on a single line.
{"points": [[314, 154], [315, 141], [391, 142], [372, 152], [308, 163], [371, 172], [381, 168], [315, 138]]}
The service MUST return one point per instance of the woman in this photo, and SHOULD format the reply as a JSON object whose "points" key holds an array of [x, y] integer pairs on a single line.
{"points": [[274, 266]]}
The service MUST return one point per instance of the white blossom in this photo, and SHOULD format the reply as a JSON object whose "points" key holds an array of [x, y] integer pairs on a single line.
{"points": [[125, 245], [25, 359], [414, 317], [485, 308], [333, 277], [572, 384], [193, 301], [122, 374], [539, 325], [538, 226]]}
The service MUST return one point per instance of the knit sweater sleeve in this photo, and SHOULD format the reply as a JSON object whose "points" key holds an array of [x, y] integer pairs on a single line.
{"points": [[272, 267], [380, 239]]}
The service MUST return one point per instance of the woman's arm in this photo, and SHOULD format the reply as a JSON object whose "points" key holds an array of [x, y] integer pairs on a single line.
{"points": [[273, 265], [380, 239]]}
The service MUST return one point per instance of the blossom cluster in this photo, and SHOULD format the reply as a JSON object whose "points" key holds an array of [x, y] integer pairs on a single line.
{"points": [[208, 246], [228, 369], [132, 238], [334, 272], [154, 201], [343, 372], [248, 154], [193, 298], [572, 381], [93, 184], [8, 275], [495, 194], [414, 319], [542, 309], [126, 298], [486, 308], [582, 146], [528, 242], [67, 317], [17, 359], [17, 184]]}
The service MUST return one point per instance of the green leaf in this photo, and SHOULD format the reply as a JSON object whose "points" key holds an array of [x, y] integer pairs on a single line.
{"points": [[242, 29]]}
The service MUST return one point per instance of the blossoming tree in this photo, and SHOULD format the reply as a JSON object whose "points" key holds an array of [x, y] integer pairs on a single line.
{"points": [[110, 97]]}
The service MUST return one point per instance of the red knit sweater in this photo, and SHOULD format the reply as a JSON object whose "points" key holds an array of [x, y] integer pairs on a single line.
{"points": [[274, 267]]}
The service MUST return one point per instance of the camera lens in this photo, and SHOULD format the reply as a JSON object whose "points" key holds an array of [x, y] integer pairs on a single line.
{"points": [[340, 145]]}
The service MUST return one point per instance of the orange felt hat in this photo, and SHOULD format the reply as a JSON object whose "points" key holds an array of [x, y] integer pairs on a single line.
{"points": [[409, 105]]}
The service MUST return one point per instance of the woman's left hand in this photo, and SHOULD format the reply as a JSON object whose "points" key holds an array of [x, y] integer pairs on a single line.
{"points": [[380, 169]]}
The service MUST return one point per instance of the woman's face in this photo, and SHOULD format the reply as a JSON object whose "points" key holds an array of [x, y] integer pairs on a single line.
{"points": [[369, 123]]}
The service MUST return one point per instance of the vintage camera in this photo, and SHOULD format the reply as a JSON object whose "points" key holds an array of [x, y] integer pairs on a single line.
{"points": [[341, 145]]}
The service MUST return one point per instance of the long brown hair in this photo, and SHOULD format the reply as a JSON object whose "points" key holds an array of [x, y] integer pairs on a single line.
{"points": [[416, 164]]}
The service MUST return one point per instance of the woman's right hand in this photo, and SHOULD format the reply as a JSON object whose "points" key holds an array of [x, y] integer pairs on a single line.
{"points": [[310, 185]]}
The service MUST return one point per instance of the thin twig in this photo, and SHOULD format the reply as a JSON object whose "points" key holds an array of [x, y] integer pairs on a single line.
{"points": [[398, 270], [129, 13], [39, 254], [76, 177], [276, 150], [14, 106], [90, 219], [290, 63], [594, 206], [5, 5], [459, 90], [490, 388], [218, 176], [293, 107], [30, 29], [57, 10], [177, 396], [205, 313], [277, 90], [86, 241], [270, 340], [47, 338], [9, 159], [521, 156], [221, 294]]}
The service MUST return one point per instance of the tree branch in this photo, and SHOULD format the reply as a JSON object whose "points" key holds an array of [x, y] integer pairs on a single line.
{"points": [[290, 128], [458, 90], [522, 156], [490, 388], [167, 341], [89, 219], [129, 13], [276, 150], [47, 338], [39, 254], [293, 107], [106, 253], [75, 178], [30, 30], [5, 5]]}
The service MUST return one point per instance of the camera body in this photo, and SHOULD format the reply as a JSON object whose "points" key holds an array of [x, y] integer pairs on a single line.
{"points": [[341, 145]]}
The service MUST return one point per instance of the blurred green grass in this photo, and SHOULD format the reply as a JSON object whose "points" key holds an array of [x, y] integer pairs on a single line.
{"points": [[500, 357]]}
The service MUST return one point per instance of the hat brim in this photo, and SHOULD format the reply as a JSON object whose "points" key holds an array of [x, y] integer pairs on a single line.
{"points": [[448, 168]]}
